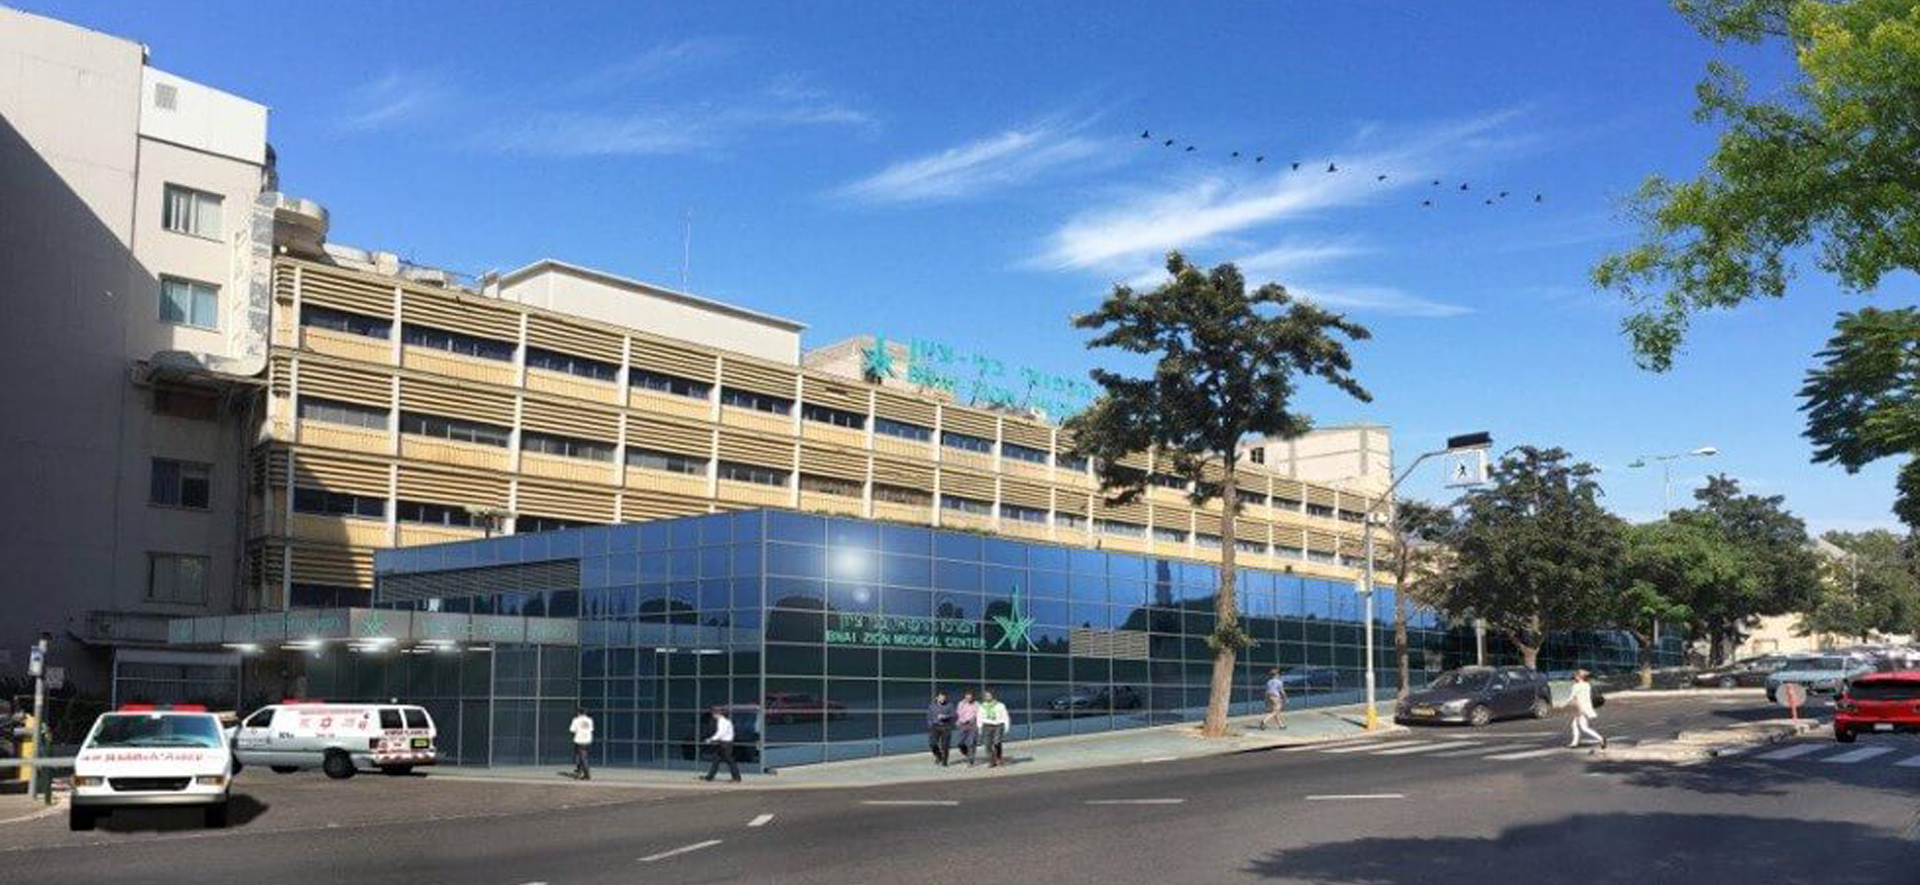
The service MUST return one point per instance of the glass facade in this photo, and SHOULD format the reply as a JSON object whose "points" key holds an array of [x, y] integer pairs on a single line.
{"points": [[826, 637]]}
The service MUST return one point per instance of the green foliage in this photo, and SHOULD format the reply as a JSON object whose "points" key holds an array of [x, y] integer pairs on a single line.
{"points": [[1863, 401], [1667, 568], [1534, 551], [1831, 164], [1871, 589], [1780, 571]]}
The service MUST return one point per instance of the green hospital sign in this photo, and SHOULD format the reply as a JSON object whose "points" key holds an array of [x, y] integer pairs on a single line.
{"points": [[895, 631]]}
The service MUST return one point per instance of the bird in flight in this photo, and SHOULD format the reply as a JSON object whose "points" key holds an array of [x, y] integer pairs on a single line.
{"points": [[1332, 168], [1503, 195], [1379, 178], [1189, 149], [1236, 155], [1426, 202], [1463, 185], [1145, 134], [1296, 166], [1260, 159], [1536, 198], [1167, 143]]}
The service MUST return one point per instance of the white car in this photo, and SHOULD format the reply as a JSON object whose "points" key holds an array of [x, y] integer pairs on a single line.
{"points": [[143, 755], [338, 739]]}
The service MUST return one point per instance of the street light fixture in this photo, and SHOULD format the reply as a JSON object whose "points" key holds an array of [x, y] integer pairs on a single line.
{"points": [[1666, 471]]}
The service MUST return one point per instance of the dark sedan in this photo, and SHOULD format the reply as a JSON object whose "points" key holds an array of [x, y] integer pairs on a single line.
{"points": [[1477, 696]]}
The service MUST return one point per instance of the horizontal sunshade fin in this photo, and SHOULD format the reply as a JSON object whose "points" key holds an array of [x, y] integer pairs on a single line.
{"points": [[1137, 461], [453, 314], [839, 396], [759, 378], [639, 506], [902, 473], [1289, 489], [661, 357], [900, 408], [1025, 494], [283, 283], [760, 450], [571, 419], [1320, 495], [668, 436], [1204, 523], [1251, 529], [342, 383], [1135, 512], [837, 463], [348, 293], [1321, 541], [1032, 436], [574, 339], [966, 485], [540, 499], [449, 487], [1067, 501], [961, 420], [448, 401], [338, 566], [280, 374], [338, 474]]}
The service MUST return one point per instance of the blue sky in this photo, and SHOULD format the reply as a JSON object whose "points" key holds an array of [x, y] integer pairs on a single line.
{"points": [[973, 172]]}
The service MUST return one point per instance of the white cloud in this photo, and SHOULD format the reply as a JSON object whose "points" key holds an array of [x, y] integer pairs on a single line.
{"points": [[987, 164], [675, 129], [1369, 298], [660, 62], [393, 99]]}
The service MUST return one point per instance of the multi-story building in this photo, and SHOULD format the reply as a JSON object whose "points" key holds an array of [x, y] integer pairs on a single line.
{"points": [[136, 218]]}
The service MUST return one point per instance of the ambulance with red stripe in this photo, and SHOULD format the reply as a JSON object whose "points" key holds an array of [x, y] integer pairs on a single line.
{"points": [[144, 755], [339, 739]]}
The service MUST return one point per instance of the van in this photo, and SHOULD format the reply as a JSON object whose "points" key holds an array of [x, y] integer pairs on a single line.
{"points": [[339, 739]]}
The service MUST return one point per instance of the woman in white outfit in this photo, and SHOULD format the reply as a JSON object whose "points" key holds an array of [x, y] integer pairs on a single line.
{"points": [[1581, 700]]}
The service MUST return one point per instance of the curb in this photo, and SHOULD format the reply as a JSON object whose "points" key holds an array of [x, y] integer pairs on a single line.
{"points": [[46, 811]]}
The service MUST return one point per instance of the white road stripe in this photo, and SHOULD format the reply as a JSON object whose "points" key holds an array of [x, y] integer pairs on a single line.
{"points": [[1793, 751], [1735, 750], [1337, 797], [1425, 748], [909, 802], [1370, 745], [1527, 754], [1135, 801], [1852, 756], [1909, 762], [1470, 751], [1160, 759], [1304, 748], [681, 850], [760, 821]]}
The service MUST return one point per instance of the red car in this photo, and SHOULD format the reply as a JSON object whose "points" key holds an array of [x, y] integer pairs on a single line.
{"points": [[1878, 702]]}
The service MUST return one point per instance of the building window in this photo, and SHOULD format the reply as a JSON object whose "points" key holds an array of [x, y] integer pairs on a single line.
{"points": [[177, 578], [1321, 510], [831, 415], [342, 321], [829, 485], [1211, 542], [1286, 503], [759, 402], [336, 412], [1320, 556], [1169, 536], [190, 404], [966, 441], [1167, 481], [189, 303], [1353, 516], [1073, 521], [666, 383], [424, 513], [328, 596], [648, 459], [1258, 454], [1074, 463], [328, 503], [1245, 546], [1288, 552], [1019, 452], [555, 361], [527, 525], [893, 494], [180, 484], [966, 505], [753, 473], [454, 429], [192, 212], [1249, 497], [902, 429], [456, 342], [1022, 514], [1123, 529], [565, 446]]}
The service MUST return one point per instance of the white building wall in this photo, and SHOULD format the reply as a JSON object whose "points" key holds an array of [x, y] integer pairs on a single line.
{"points": [[581, 292]]}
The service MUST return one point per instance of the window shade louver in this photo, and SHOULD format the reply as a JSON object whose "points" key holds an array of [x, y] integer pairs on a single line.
{"points": [[1067, 501], [558, 574], [569, 338], [339, 566], [667, 436], [960, 420], [451, 487], [826, 393], [446, 400], [1025, 494], [346, 292], [1135, 512], [337, 474], [966, 485], [341, 383], [666, 358], [763, 451], [902, 473], [1030, 435], [837, 463], [1320, 495], [639, 506], [1322, 542], [443, 311], [738, 372], [900, 408], [572, 419], [565, 502], [1206, 523]]}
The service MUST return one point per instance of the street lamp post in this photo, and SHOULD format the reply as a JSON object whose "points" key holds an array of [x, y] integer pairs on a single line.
{"points": [[1462, 442], [1666, 472]]}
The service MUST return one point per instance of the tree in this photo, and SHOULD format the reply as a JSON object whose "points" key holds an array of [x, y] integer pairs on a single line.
{"points": [[1771, 544], [1863, 401], [1417, 529], [1226, 362], [1868, 589], [1667, 566], [1535, 551]]}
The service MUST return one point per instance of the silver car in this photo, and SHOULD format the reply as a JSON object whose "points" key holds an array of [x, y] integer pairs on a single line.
{"points": [[1820, 675]]}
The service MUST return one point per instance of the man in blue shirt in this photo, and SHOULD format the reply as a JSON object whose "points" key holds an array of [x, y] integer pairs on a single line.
{"points": [[1276, 699], [940, 728]]}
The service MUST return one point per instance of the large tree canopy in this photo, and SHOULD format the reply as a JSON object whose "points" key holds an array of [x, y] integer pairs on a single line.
{"points": [[1832, 163], [1869, 589], [1225, 367], [1782, 571], [1669, 566], [1863, 401]]}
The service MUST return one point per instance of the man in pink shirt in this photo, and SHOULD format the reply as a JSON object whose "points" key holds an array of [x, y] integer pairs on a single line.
{"points": [[966, 723]]}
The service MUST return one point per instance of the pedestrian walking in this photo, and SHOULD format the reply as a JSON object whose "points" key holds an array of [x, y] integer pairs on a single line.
{"points": [[966, 724], [582, 729], [994, 721], [1276, 699], [940, 728], [1580, 698], [722, 743]]}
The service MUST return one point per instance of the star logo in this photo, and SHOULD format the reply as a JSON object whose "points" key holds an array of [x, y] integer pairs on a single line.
{"points": [[1014, 628], [374, 625], [877, 361]]}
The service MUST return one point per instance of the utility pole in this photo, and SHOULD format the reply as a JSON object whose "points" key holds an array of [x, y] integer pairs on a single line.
{"points": [[1666, 472], [37, 668]]}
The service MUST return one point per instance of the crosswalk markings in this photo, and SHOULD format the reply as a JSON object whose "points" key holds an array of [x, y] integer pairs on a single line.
{"points": [[1793, 751], [1470, 751], [1527, 754], [1316, 748], [1852, 756], [1909, 762], [1426, 748], [1360, 748]]}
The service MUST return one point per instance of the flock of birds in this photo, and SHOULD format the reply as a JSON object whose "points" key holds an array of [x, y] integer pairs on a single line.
{"points": [[1332, 168]]}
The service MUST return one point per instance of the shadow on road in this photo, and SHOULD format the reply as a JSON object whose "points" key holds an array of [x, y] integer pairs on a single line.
{"points": [[1615, 849], [242, 809], [1744, 776]]}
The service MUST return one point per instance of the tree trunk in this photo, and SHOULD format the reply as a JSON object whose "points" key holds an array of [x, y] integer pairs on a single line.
{"points": [[1529, 654], [1400, 651], [1225, 612], [1716, 645], [1645, 641]]}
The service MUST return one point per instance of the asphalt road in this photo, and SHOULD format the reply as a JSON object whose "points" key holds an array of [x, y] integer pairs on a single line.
{"points": [[1436, 807]]}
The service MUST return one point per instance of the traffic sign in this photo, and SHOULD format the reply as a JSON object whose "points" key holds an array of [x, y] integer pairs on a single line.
{"points": [[1466, 467]]}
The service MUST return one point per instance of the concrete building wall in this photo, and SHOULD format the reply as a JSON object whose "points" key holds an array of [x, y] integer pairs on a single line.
{"points": [[1358, 456], [635, 305]]}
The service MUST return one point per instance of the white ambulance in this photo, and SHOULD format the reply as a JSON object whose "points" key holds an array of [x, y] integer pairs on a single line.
{"points": [[143, 754], [338, 739]]}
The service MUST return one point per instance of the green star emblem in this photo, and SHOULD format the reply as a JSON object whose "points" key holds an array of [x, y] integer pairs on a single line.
{"points": [[1014, 629], [877, 361]]}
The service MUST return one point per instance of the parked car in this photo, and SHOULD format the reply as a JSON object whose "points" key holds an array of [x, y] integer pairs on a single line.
{"points": [[1477, 696], [339, 739], [1090, 698], [1878, 702], [147, 755], [1749, 673], [1311, 679], [1820, 674]]}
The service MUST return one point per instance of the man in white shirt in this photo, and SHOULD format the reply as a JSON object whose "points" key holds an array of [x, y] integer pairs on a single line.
{"points": [[582, 729], [722, 741], [1276, 699]]}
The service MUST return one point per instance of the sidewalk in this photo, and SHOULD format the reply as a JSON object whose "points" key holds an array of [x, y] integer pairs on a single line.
{"points": [[1165, 743]]}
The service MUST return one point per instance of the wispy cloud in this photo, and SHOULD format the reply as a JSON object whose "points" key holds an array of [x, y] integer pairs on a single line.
{"points": [[393, 99], [984, 165], [1370, 298], [788, 101], [660, 62]]}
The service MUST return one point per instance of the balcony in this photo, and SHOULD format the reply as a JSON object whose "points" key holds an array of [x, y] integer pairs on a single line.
{"points": [[340, 436], [347, 345], [350, 531], [453, 365], [755, 494], [751, 419], [914, 513], [831, 433], [669, 404], [820, 502], [666, 482], [411, 535], [573, 386], [558, 467], [446, 451]]}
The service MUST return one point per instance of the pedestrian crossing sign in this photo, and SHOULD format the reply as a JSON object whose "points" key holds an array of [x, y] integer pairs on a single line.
{"points": [[1466, 467]]}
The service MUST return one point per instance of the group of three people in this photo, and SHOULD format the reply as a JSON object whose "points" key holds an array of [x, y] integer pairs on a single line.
{"points": [[969, 723]]}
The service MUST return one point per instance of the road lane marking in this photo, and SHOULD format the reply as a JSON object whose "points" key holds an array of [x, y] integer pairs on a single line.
{"points": [[1470, 751], [1303, 748], [1341, 797], [1426, 748], [1527, 754], [909, 802], [1361, 748], [1160, 759], [1135, 801], [1909, 762], [760, 821], [679, 851], [1852, 756], [1793, 751]]}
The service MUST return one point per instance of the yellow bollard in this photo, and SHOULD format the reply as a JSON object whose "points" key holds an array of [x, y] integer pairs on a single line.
{"points": [[27, 748]]}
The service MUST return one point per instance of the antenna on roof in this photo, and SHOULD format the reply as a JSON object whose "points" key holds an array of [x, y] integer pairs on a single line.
{"points": [[686, 249]]}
